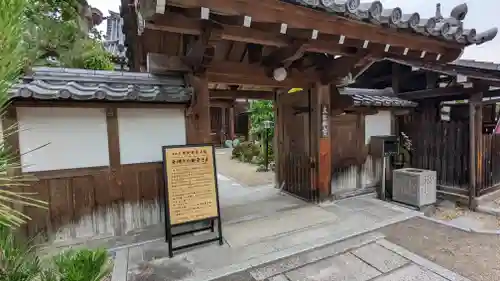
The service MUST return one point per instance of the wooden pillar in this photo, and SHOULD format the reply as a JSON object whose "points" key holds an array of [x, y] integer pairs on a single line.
{"points": [[10, 128], [231, 133], [321, 140], [279, 137], [475, 146], [198, 114], [224, 126]]}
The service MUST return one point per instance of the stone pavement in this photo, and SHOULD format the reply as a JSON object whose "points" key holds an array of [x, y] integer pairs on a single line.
{"points": [[260, 225], [365, 257], [272, 236], [244, 173]]}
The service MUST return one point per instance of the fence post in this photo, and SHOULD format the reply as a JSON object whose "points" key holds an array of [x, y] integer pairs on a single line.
{"points": [[475, 144]]}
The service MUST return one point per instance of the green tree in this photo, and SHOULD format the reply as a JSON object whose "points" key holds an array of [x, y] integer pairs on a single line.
{"points": [[57, 38], [14, 51], [260, 111]]}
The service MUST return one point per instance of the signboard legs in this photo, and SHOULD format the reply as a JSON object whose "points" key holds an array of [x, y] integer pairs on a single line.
{"points": [[191, 193]]}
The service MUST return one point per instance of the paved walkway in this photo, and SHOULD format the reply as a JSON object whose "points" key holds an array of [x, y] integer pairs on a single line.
{"points": [[364, 257], [473, 255], [260, 225], [244, 173]]}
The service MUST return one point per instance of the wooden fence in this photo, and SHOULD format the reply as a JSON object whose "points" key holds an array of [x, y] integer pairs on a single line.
{"points": [[444, 148], [490, 170]]}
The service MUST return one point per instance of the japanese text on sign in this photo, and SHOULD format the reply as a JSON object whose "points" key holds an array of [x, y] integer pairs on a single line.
{"points": [[191, 184]]}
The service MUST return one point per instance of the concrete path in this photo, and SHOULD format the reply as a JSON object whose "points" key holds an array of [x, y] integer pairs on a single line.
{"points": [[260, 225], [244, 173]]}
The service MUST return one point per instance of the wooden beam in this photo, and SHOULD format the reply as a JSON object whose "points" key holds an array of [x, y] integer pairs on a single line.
{"points": [[254, 53], [332, 69], [305, 18], [228, 72], [285, 56], [475, 141], [202, 51], [177, 23], [435, 93], [113, 138], [248, 94], [396, 78], [198, 113]]}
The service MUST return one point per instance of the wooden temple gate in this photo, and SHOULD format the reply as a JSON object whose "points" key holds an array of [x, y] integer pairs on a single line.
{"points": [[260, 49], [296, 168]]}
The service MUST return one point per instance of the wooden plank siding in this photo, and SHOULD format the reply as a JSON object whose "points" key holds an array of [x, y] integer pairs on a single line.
{"points": [[354, 171], [440, 146], [95, 201], [96, 193], [491, 164]]}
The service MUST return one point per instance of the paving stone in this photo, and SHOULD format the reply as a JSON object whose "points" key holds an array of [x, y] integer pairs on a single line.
{"points": [[467, 222], [411, 272], [379, 257], [283, 265], [342, 267], [239, 276], [278, 278]]}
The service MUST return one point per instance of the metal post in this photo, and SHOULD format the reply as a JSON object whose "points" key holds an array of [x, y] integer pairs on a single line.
{"points": [[384, 167], [267, 126], [266, 145]]}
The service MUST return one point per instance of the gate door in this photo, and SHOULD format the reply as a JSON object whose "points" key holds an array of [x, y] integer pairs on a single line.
{"points": [[297, 171]]}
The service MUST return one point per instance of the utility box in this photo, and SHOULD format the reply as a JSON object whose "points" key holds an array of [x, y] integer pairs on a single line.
{"points": [[414, 187], [382, 146]]}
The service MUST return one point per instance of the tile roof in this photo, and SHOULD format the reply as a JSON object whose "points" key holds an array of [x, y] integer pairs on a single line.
{"points": [[449, 28], [80, 84], [377, 98], [469, 68]]}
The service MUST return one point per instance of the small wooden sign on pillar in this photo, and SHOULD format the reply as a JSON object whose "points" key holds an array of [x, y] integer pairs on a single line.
{"points": [[325, 121], [324, 167]]}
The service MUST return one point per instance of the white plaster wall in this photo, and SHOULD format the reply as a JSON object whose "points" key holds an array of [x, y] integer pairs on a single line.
{"points": [[346, 179], [74, 138], [143, 131], [377, 124]]}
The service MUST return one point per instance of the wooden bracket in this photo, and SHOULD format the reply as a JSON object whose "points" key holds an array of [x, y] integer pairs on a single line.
{"points": [[284, 57], [202, 51]]}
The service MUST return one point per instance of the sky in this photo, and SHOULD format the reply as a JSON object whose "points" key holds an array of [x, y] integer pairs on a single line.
{"points": [[483, 14]]}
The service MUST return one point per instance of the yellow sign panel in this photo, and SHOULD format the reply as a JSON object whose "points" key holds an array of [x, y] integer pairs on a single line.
{"points": [[294, 90], [191, 184]]}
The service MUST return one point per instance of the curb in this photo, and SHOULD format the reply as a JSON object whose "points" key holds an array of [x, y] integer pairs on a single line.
{"points": [[488, 210], [297, 249], [472, 230]]}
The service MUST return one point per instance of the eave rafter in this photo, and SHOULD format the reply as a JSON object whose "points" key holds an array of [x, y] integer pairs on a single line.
{"points": [[291, 19]]}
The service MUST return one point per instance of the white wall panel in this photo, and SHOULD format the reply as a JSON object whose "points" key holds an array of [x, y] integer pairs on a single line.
{"points": [[378, 124], [75, 138], [143, 131]]}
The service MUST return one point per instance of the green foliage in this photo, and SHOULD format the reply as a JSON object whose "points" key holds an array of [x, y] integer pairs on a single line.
{"points": [[13, 53], [261, 111], [18, 261], [246, 151], [270, 155], [91, 56], [83, 265], [55, 30]]}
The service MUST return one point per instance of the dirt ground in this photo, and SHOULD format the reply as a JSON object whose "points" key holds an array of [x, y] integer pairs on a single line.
{"points": [[243, 173], [449, 213], [473, 255]]}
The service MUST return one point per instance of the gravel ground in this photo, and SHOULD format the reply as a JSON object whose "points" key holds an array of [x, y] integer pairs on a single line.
{"points": [[243, 173], [473, 255]]}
